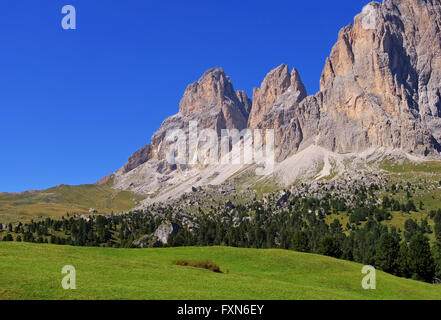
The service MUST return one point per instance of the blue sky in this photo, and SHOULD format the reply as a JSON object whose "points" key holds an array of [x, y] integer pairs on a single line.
{"points": [[75, 104]]}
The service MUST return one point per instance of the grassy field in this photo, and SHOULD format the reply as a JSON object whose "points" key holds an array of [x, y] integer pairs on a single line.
{"points": [[31, 271], [58, 201], [407, 166]]}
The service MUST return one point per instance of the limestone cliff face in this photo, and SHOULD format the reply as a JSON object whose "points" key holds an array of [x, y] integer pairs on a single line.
{"points": [[386, 74], [380, 86], [211, 101]]}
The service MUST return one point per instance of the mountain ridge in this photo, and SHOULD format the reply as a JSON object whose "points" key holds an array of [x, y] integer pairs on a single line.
{"points": [[379, 89]]}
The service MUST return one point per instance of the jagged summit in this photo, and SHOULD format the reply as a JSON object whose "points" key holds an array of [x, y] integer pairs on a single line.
{"points": [[276, 82], [212, 89], [211, 101]]}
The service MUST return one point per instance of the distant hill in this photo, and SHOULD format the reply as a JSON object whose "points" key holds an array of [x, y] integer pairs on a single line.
{"points": [[57, 201]]}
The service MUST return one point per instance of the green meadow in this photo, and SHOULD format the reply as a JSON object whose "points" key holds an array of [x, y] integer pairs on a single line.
{"points": [[33, 271]]}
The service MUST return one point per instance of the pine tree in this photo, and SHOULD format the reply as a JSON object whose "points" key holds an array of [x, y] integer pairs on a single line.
{"points": [[386, 202], [386, 257], [437, 248], [403, 261], [300, 242], [330, 247], [410, 229], [437, 258], [421, 263]]}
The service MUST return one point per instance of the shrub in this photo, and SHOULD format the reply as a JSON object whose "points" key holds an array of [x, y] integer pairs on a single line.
{"points": [[207, 264]]}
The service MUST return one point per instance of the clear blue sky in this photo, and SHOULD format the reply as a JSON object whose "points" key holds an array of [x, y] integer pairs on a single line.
{"points": [[76, 104]]}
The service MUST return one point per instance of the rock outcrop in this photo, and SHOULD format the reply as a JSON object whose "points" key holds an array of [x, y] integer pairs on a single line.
{"points": [[165, 230]]}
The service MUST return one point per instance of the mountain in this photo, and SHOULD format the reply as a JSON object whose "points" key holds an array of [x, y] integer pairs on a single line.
{"points": [[379, 96], [380, 87], [211, 101]]}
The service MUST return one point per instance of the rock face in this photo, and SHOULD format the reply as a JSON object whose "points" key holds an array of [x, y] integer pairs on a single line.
{"points": [[245, 102], [380, 88], [385, 74], [277, 82], [212, 102], [215, 91]]}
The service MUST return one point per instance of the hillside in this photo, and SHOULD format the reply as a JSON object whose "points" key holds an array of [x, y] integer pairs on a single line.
{"points": [[57, 201], [30, 271]]}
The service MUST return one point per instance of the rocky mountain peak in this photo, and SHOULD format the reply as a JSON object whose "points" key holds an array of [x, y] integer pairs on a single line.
{"points": [[212, 89], [214, 94], [211, 101], [276, 82], [297, 85]]}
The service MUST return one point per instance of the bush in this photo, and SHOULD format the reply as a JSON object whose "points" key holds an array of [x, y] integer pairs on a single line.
{"points": [[8, 237], [207, 264]]}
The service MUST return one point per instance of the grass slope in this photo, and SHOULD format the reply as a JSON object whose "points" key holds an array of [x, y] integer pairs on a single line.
{"points": [[31, 271], [57, 201], [425, 179]]}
